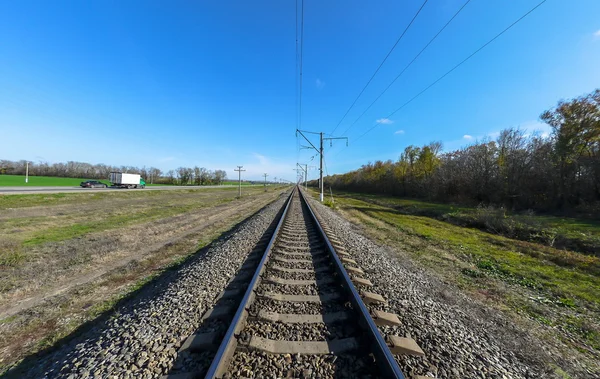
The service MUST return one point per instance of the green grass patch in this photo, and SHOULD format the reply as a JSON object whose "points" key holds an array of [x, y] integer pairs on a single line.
{"points": [[12, 258], [42, 181], [112, 222], [564, 274], [571, 233]]}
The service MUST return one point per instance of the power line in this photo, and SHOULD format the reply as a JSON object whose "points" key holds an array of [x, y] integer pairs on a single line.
{"points": [[296, 84], [380, 65], [301, 59], [456, 66], [296, 72], [407, 66]]}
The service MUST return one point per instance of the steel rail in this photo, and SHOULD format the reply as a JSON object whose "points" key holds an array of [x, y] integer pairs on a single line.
{"points": [[229, 343], [383, 356]]}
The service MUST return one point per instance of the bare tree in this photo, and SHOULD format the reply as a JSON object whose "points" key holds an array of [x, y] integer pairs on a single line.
{"points": [[220, 176]]}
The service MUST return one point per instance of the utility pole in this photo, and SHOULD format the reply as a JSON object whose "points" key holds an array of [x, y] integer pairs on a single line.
{"points": [[305, 170], [239, 170], [27, 173], [320, 151], [321, 170], [305, 176], [265, 175]]}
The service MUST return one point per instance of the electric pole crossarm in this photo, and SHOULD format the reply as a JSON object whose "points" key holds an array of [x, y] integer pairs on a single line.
{"points": [[302, 168], [307, 140], [332, 138], [320, 152]]}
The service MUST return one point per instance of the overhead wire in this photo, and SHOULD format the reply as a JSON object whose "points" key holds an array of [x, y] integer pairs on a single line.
{"points": [[301, 59], [456, 66], [380, 65], [407, 66], [296, 68], [296, 85]]}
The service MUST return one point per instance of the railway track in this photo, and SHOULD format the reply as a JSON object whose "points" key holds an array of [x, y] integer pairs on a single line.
{"points": [[298, 307]]}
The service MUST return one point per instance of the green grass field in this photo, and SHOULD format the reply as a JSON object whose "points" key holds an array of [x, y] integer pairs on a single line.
{"points": [[581, 234], [36, 181]]}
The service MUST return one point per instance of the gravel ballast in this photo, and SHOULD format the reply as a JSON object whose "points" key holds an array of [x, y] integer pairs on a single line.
{"points": [[141, 338], [461, 338]]}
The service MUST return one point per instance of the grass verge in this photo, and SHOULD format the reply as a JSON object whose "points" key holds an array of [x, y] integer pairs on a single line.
{"points": [[558, 289], [581, 234]]}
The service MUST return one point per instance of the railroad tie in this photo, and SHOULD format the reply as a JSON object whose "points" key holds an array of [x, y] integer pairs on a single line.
{"points": [[405, 346], [337, 346], [280, 259], [300, 244], [324, 298], [296, 239], [372, 298], [327, 318], [340, 249], [382, 318], [316, 260], [348, 260], [301, 270], [302, 255], [291, 282], [361, 281], [355, 270]]}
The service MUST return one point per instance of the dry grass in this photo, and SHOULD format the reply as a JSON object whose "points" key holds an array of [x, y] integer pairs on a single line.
{"points": [[50, 287]]}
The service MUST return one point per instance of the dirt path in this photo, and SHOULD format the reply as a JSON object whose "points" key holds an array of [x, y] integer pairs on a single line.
{"points": [[94, 272]]}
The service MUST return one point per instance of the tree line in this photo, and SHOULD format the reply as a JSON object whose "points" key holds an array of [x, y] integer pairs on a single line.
{"points": [[516, 170], [182, 175]]}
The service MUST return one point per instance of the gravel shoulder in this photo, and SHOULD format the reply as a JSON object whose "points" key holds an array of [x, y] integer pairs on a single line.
{"points": [[461, 337]]}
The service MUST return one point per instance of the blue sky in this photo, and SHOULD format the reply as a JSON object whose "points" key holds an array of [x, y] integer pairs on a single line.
{"points": [[212, 83]]}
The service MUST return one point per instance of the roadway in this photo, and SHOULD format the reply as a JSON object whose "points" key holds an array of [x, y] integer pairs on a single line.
{"points": [[34, 190]]}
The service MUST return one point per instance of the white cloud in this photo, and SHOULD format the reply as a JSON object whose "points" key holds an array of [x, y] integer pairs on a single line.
{"points": [[597, 34], [319, 83], [399, 132], [384, 121], [259, 164], [536, 128], [261, 158], [466, 136]]}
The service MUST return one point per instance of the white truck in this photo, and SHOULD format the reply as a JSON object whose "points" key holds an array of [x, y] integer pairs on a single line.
{"points": [[123, 180]]}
